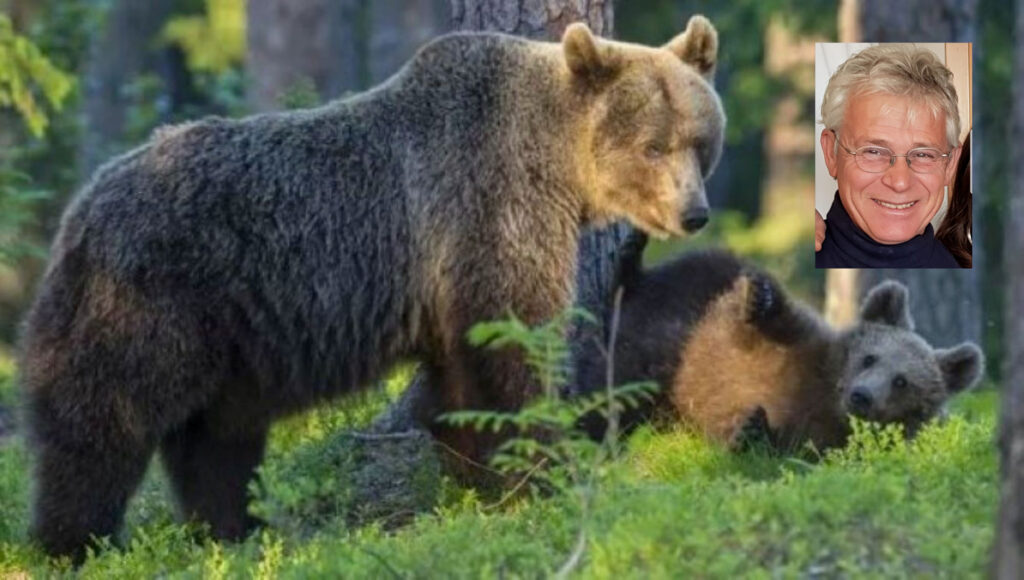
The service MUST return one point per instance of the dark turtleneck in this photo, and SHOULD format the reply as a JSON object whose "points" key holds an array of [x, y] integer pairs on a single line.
{"points": [[847, 246]]}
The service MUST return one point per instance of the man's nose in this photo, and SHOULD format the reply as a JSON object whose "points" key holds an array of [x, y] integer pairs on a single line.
{"points": [[897, 177]]}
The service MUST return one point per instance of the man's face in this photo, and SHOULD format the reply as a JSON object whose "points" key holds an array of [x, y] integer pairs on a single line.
{"points": [[877, 202]]}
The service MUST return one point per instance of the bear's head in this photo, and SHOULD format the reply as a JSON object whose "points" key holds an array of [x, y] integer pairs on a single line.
{"points": [[890, 373], [654, 126]]}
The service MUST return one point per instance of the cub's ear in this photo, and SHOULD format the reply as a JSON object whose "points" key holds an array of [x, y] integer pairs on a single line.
{"points": [[585, 55], [962, 366], [697, 46], [887, 303]]}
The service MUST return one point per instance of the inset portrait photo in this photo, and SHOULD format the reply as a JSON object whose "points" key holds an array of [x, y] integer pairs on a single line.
{"points": [[892, 161]]}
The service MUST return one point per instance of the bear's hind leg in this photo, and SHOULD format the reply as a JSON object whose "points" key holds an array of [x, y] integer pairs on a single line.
{"points": [[210, 469], [754, 433], [83, 481]]}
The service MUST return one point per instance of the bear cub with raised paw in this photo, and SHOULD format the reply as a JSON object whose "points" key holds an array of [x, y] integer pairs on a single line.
{"points": [[741, 362]]}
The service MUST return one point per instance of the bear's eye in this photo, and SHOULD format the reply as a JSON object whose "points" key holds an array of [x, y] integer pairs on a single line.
{"points": [[899, 382], [654, 152], [869, 360]]}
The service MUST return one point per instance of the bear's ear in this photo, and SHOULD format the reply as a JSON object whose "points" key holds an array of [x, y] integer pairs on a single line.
{"points": [[961, 366], [697, 46], [584, 54], [888, 303]]}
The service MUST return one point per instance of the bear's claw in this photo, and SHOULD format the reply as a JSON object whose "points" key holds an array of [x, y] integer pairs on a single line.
{"points": [[764, 300]]}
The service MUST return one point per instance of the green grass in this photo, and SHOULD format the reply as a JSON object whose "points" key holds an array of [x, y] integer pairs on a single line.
{"points": [[671, 506]]}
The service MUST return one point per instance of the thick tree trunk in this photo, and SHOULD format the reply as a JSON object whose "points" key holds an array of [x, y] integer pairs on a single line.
{"points": [[340, 46], [291, 43], [20, 12], [399, 28], [537, 19], [542, 20], [1009, 548], [918, 21], [121, 51]]}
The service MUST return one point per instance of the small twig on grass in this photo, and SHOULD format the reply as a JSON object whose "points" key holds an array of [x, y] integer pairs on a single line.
{"points": [[384, 436], [515, 489], [468, 460], [383, 562]]}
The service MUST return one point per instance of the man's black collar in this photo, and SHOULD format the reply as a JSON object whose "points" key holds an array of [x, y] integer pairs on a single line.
{"points": [[847, 246]]}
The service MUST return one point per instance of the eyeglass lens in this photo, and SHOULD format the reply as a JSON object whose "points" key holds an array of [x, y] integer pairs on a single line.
{"points": [[879, 159]]}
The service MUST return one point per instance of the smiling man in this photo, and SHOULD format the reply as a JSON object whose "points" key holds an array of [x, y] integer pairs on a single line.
{"points": [[891, 143]]}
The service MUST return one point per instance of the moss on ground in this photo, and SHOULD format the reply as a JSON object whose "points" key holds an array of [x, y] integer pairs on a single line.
{"points": [[672, 506]]}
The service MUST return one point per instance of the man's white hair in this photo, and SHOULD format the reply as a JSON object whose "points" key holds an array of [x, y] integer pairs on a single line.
{"points": [[893, 69]]}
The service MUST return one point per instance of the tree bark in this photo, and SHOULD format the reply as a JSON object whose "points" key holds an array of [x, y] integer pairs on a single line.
{"points": [[1008, 562], [918, 21], [20, 12], [399, 28], [537, 19], [341, 46], [118, 55], [290, 43], [599, 247]]}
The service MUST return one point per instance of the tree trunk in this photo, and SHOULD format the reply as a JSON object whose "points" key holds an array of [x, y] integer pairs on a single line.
{"points": [[319, 43], [918, 21], [121, 51], [333, 46], [946, 304], [542, 20], [1009, 547], [399, 28], [537, 19], [20, 12]]}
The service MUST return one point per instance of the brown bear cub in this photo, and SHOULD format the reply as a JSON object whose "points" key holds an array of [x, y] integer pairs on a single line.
{"points": [[231, 271], [740, 361]]}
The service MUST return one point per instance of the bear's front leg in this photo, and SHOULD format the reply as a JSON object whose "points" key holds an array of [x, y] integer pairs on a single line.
{"points": [[210, 469], [527, 272], [478, 378], [770, 311]]}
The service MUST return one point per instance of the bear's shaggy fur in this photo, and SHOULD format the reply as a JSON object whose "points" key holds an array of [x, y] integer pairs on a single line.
{"points": [[737, 358], [229, 272]]}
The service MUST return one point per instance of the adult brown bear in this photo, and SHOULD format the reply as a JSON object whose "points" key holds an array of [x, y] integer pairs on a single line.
{"points": [[229, 272]]}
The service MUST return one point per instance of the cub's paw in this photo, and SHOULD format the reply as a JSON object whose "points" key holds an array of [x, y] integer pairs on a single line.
{"points": [[753, 433], [764, 298]]}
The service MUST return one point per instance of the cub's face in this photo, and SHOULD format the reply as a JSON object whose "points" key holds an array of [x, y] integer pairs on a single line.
{"points": [[891, 374], [654, 128]]}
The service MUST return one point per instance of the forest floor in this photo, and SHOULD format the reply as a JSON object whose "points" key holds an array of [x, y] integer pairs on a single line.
{"points": [[671, 505]]}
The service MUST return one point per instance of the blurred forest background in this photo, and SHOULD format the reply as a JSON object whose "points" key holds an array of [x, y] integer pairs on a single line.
{"points": [[82, 80]]}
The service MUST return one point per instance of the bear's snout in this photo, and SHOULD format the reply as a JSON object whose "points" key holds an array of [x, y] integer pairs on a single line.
{"points": [[694, 218], [861, 401]]}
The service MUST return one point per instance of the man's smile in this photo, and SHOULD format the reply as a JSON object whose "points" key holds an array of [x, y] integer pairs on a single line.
{"points": [[894, 206]]}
